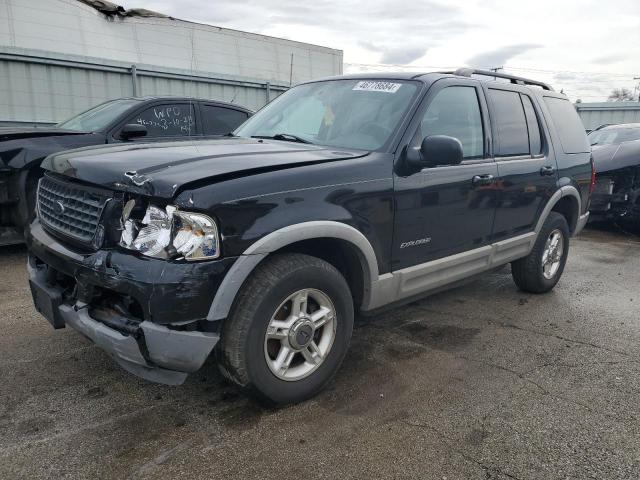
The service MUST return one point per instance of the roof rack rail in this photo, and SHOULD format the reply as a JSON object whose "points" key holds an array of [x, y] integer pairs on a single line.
{"points": [[467, 72]]}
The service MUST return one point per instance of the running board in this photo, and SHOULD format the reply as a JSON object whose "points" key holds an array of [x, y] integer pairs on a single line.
{"points": [[433, 275]]}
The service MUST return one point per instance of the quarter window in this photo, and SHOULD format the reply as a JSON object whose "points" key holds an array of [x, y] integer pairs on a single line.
{"points": [[535, 140], [568, 124], [455, 112], [172, 120], [510, 123]]}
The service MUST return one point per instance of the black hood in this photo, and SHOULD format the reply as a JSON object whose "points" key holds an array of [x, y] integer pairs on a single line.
{"points": [[162, 170], [24, 148], [614, 157], [15, 133]]}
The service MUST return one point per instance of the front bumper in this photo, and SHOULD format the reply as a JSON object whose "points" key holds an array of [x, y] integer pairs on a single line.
{"points": [[10, 233], [164, 342]]}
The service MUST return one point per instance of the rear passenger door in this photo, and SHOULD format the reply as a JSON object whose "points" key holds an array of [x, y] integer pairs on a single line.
{"points": [[444, 210], [220, 120], [527, 174]]}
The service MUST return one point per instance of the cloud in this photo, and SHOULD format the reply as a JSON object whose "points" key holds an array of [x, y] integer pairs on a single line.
{"points": [[498, 57], [402, 55], [380, 35], [610, 58]]}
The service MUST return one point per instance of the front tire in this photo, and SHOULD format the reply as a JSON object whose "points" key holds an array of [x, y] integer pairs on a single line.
{"points": [[289, 330], [541, 270]]}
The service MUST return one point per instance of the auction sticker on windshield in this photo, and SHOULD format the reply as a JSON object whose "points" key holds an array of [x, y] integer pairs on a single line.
{"points": [[369, 86]]}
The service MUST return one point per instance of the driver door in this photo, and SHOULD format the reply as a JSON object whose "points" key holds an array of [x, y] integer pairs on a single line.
{"points": [[445, 210]]}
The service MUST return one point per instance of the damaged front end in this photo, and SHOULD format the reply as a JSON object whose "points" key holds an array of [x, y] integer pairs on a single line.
{"points": [[617, 193], [144, 303], [10, 233]]}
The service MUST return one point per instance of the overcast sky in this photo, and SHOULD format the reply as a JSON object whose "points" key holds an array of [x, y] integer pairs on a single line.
{"points": [[586, 47]]}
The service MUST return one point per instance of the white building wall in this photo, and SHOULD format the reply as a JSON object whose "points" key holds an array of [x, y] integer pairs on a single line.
{"points": [[68, 50]]}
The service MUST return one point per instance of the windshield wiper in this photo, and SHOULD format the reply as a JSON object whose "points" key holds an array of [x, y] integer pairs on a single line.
{"points": [[287, 137]]}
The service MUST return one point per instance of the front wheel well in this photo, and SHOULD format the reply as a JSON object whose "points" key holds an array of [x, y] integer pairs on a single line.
{"points": [[341, 254], [569, 208]]}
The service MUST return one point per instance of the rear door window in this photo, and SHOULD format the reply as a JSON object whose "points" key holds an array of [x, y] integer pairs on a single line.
{"points": [[217, 120], [510, 123], [568, 125], [169, 120]]}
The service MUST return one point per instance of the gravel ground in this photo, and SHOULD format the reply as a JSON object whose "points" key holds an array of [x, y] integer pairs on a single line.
{"points": [[481, 382]]}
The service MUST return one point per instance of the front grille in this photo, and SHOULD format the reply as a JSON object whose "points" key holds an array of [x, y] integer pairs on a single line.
{"points": [[70, 209]]}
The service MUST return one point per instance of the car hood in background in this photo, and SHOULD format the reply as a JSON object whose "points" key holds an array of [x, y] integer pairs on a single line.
{"points": [[162, 170], [14, 133], [614, 157]]}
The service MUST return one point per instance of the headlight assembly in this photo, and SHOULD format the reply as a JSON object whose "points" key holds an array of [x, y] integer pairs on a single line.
{"points": [[170, 233]]}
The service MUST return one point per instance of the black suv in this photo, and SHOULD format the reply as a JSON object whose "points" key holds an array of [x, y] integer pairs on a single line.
{"points": [[342, 196], [122, 120]]}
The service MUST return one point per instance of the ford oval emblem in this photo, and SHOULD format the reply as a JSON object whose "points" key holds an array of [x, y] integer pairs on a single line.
{"points": [[58, 208]]}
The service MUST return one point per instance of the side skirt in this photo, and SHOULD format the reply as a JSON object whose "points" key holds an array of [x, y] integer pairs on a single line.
{"points": [[431, 276]]}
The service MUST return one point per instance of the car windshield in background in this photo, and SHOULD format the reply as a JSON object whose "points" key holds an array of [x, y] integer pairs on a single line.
{"points": [[359, 114], [100, 116], [614, 136]]}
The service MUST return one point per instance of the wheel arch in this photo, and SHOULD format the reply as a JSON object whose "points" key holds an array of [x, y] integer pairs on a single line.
{"points": [[337, 243], [565, 201]]}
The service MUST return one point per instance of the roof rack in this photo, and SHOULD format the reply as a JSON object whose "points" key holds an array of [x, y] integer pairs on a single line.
{"points": [[467, 72]]}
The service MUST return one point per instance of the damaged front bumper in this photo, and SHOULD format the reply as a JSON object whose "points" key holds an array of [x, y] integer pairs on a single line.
{"points": [[134, 308], [10, 233], [615, 200]]}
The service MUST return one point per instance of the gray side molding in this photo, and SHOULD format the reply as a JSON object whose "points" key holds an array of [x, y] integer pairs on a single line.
{"points": [[252, 256], [565, 191]]}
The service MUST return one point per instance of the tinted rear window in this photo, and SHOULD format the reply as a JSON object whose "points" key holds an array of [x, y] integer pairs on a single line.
{"points": [[510, 123], [568, 125]]}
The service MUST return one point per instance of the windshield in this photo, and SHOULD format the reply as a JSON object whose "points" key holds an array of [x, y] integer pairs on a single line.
{"points": [[614, 136], [338, 113], [99, 117]]}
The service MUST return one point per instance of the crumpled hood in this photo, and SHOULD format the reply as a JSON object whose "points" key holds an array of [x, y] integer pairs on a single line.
{"points": [[163, 169], [614, 157]]}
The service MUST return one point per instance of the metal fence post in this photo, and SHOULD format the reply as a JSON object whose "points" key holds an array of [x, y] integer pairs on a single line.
{"points": [[268, 87], [134, 80]]}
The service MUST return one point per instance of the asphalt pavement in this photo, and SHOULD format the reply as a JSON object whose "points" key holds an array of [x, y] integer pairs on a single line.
{"points": [[479, 382]]}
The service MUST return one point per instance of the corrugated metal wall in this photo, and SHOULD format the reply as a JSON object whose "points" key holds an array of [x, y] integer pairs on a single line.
{"points": [[596, 114], [59, 57]]}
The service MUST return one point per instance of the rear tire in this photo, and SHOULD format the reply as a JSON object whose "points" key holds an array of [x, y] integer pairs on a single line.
{"points": [[539, 271], [289, 329]]}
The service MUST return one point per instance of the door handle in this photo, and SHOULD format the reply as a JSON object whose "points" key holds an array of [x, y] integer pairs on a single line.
{"points": [[479, 180], [547, 170]]}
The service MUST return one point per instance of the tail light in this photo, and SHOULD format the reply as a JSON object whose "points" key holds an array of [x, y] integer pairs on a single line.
{"points": [[592, 185]]}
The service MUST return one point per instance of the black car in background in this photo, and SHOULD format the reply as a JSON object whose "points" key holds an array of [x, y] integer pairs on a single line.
{"points": [[616, 153], [143, 119]]}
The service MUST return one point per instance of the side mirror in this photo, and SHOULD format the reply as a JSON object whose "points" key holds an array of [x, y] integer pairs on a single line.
{"points": [[440, 150], [133, 130], [435, 150]]}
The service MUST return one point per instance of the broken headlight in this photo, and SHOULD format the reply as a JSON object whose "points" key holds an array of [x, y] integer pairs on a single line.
{"points": [[170, 233]]}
